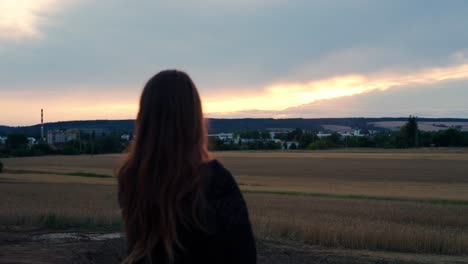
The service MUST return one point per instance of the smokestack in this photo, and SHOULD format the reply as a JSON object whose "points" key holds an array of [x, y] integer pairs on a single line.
{"points": [[42, 125]]}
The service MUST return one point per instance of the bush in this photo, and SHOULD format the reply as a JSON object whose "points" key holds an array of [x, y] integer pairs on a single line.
{"points": [[320, 144], [1, 167], [21, 152], [69, 150], [42, 149]]}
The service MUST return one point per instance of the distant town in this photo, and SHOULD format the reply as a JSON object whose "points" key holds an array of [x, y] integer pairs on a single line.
{"points": [[48, 139]]}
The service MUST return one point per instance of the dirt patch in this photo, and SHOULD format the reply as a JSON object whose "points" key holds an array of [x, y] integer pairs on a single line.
{"points": [[37, 247]]}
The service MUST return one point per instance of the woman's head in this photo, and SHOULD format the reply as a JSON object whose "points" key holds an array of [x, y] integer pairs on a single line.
{"points": [[170, 115], [159, 186]]}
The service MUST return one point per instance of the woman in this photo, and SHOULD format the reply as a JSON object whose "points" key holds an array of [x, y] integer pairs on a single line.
{"points": [[179, 206]]}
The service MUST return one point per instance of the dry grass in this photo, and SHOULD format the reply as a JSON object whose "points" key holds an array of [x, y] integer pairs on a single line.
{"points": [[399, 226], [71, 201], [101, 164], [422, 173], [414, 175], [368, 224], [73, 204]]}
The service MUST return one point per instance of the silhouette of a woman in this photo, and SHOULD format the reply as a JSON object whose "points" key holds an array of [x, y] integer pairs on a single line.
{"points": [[178, 205]]}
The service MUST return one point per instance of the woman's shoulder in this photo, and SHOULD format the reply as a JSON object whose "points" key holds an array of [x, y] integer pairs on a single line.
{"points": [[225, 197], [219, 180]]}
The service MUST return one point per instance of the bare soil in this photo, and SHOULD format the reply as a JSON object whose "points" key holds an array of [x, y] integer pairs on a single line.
{"points": [[42, 246]]}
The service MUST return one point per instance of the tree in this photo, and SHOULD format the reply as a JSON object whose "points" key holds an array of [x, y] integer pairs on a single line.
{"points": [[294, 135], [465, 139], [320, 144], [42, 149], [335, 138], [265, 135], [1, 167], [426, 139], [449, 138], [109, 144], [16, 141], [214, 143], [358, 142], [250, 134], [410, 133], [306, 139]]}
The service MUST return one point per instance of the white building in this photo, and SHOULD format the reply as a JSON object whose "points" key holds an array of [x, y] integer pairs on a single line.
{"points": [[272, 134], [223, 136], [3, 140], [31, 141], [357, 132], [59, 137], [290, 143], [278, 131], [323, 135], [276, 140], [125, 137], [346, 134]]}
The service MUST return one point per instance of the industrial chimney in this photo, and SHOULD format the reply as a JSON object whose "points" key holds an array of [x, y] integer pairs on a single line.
{"points": [[42, 125]]}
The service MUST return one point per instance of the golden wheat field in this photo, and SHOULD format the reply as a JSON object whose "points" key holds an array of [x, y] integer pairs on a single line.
{"points": [[398, 201]]}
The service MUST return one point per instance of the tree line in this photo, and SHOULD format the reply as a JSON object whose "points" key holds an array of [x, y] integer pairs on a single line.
{"points": [[17, 145], [409, 136]]}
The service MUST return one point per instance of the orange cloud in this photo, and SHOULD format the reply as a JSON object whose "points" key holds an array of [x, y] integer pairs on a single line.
{"points": [[284, 95]]}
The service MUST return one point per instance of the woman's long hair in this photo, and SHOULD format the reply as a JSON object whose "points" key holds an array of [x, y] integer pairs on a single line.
{"points": [[159, 181]]}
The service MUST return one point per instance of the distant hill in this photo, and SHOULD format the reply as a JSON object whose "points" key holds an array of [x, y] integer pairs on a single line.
{"points": [[100, 125], [232, 125]]}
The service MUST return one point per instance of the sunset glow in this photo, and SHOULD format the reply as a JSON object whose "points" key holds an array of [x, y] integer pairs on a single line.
{"points": [[122, 103], [284, 95]]}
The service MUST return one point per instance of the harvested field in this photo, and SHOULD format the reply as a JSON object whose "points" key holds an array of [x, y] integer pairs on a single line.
{"points": [[415, 175], [368, 224], [380, 201], [418, 174]]}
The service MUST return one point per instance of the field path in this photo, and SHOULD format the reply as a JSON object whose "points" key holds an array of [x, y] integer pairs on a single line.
{"points": [[37, 247]]}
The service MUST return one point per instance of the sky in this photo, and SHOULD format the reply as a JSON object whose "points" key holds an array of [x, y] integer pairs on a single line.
{"points": [[87, 59]]}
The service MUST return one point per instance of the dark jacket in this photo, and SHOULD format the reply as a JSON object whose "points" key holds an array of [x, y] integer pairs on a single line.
{"points": [[229, 239]]}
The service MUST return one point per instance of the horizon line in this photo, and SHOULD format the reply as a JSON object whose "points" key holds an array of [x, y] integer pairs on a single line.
{"points": [[233, 118]]}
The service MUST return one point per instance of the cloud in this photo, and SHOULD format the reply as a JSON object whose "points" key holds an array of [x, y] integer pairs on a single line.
{"points": [[376, 94], [428, 100], [285, 95], [21, 19], [223, 45], [268, 55]]}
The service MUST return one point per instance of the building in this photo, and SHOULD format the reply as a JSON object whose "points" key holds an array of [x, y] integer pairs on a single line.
{"points": [[346, 134], [357, 132], [323, 135], [223, 136], [125, 137], [274, 132], [95, 132], [58, 138], [289, 144], [31, 141], [3, 140]]}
